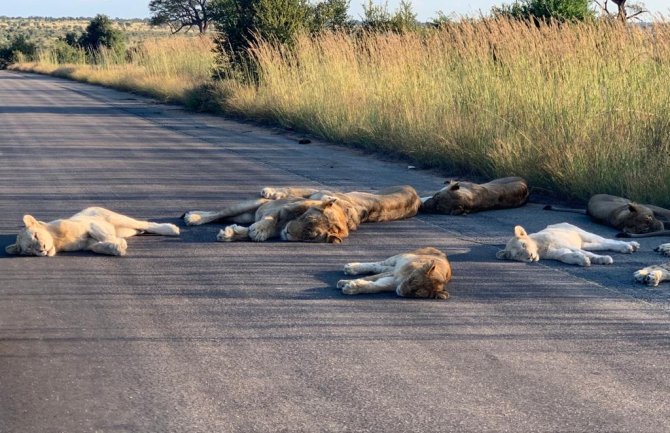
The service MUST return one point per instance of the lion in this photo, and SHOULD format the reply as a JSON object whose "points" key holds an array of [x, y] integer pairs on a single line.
{"points": [[655, 274], [422, 273], [563, 242], [93, 229], [462, 198], [309, 215], [633, 219]]}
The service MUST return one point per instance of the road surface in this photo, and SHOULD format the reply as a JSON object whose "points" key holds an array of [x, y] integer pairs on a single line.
{"points": [[192, 335]]}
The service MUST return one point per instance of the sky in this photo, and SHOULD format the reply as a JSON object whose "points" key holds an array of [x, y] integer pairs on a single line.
{"points": [[425, 9]]}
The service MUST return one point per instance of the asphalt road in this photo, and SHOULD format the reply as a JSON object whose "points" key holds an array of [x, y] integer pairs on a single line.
{"points": [[191, 335]]}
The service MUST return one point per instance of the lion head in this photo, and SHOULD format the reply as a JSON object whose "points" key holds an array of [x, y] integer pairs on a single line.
{"points": [[639, 219], [33, 240], [324, 223], [424, 282], [521, 248], [448, 200]]}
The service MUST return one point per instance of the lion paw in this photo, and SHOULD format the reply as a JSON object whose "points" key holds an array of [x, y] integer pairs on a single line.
{"points": [[652, 278], [663, 249], [342, 283], [272, 193], [231, 233], [259, 234], [350, 288], [350, 269], [602, 260], [630, 247], [192, 218]]}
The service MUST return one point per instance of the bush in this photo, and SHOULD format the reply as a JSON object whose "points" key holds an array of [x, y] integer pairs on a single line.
{"points": [[18, 48], [100, 32], [543, 10]]}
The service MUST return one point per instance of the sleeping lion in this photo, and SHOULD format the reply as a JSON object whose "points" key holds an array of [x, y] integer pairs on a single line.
{"points": [[655, 274], [563, 242], [93, 229], [421, 273], [633, 219], [308, 215], [461, 198]]}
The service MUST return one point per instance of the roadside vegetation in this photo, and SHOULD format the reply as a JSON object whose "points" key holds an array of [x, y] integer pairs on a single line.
{"points": [[577, 106]]}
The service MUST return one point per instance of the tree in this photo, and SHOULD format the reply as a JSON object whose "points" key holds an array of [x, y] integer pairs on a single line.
{"points": [[179, 14], [100, 32], [331, 15], [241, 22], [623, 6], [542, 10], [376, 17]]}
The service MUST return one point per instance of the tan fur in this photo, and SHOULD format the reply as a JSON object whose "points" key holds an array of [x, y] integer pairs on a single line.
{"points": [[625, 215], [653, 275], [309, 215], [563, 242], [421, 273], [459, 198], [93, 229]]}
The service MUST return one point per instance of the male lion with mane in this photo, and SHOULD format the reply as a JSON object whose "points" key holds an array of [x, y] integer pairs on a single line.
{"points": [[421, 273], [462, 198], [307, 214], [93, 229], [563, 242]]}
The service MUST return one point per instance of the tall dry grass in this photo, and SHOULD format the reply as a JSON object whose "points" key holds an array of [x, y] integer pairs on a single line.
{"points": [[576, 108], [166, 68]]}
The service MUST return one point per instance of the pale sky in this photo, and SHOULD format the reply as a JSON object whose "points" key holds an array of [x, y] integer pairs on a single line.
{"points": [[425, 9]]}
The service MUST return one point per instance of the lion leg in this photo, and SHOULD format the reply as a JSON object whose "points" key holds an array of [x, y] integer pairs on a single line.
{"points": [[264, 229], [653, 275], [356, 268], [196, 217], [279, 193], [598, 259], [126, 226], [384, 282], [604, 244], [109, 248], [107, 241], [566, 255]]}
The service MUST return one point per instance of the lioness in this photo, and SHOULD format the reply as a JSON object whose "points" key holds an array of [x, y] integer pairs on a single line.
{"points": [[633, 219], [421, 273], [563, 242], [309, 215], [93, 229], [653, 275], [460, 198]]}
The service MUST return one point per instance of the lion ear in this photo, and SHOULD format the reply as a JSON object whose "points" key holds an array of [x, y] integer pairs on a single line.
{"points": [[453, 186], [632, 207], [520, 232], [12, 249], [334, 239], [502, 255], [29, 221], [430, 266], [328, 203]]}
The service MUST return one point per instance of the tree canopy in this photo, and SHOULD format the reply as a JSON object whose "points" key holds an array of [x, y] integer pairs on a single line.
{"points": [[180, 14]]}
